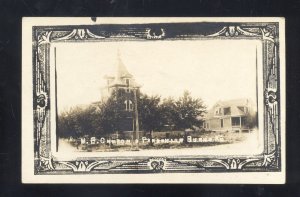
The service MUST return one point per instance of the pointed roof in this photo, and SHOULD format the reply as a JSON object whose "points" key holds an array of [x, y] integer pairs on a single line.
{"points": [[121, 68], [121, 71]]}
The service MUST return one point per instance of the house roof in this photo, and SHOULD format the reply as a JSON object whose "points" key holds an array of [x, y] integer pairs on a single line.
{"points": [[234, 107], [235, 111], [234, 102]]}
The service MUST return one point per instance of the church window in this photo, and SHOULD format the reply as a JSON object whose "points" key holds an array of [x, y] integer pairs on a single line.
{"points": [[128, 105]]}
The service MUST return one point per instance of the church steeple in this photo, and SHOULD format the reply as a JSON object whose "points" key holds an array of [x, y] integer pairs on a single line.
{"points": [[121, 71], [121, 78], [121, 68], [124, 83]]}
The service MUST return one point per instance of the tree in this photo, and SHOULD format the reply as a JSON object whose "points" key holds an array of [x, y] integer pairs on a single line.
{"points": [[97, 119], [169, 113], [69, 123], [112, 111], [150, 114], [64, 128], [105, 117], [189, 112], [94, 119], [250, 120], [76, 122]]}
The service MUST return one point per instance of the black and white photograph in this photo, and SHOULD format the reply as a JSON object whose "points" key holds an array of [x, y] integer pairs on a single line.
{"points": [[153, 100]]}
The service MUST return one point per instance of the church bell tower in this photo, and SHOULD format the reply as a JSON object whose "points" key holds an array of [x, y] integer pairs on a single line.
{"points": [[124, 84]]}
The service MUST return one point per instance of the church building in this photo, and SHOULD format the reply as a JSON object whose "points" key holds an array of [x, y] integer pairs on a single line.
{"points": [[124, 83]]}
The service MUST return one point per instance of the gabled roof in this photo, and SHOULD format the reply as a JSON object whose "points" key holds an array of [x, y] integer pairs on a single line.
{"points": [[234, 102], [234, 107], [235, 111]]}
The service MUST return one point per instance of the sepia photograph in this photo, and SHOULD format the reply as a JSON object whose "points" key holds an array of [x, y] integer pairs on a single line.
{"points": [[133, 96], [153, 100]]}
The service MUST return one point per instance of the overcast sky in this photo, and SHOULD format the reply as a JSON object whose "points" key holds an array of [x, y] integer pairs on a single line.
{"points": [[212, 70]]}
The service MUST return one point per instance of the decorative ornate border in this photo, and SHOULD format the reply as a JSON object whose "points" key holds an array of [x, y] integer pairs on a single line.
{"points": [[267, 33]]}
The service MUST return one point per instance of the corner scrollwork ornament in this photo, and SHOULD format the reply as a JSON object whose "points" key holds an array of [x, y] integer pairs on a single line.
{"points": [[267, 34], [232, 31], [269, 159], [79, 34], [44, 37], [47, 163]]}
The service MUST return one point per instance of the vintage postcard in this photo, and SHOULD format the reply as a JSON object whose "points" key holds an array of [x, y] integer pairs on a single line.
{"points": [[153, 100]]}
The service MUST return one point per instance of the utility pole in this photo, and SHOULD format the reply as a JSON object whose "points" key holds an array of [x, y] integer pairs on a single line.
{"points": [[136, 114]]}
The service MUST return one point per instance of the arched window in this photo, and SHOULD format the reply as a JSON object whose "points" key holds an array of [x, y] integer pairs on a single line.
{"points": [[128, 105]]}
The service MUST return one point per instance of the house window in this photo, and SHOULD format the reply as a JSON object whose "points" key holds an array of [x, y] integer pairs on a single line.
{"points": [[128, 105], [235, 121], [227, 111], [221, 123], [218, 111], [243, 121], [243, 109]]}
